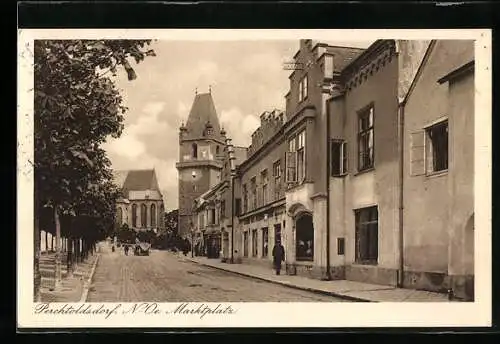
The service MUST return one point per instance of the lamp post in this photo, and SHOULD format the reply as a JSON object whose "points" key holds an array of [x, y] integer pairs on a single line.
{"points": [[230, 149], [192, 242]]}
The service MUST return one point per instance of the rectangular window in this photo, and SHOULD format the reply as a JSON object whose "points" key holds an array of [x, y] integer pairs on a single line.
{"points": [[277, 232], [291, 167], [222, 209], [277, 179], [365, 139], [366, 235], [264, 181], [296, 158], [265, 242], [301, 156], [254, 243], [253, 184], [429, 149], [237, 207], [338, 158], [245, 244], [212, 216], [303, 88], [245, 198], [437, 154], [340, 246]]}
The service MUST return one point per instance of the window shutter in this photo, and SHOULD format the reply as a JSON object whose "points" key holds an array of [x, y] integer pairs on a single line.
{"points": [[335, 158], [417, 153], [291, 169]]}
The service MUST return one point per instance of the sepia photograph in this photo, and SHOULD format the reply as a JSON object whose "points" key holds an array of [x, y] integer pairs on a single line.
{"points": [[207, 172]]}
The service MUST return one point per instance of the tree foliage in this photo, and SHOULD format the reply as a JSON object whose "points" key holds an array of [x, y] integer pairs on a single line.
{"points": [[172, 221], [77, 107]]}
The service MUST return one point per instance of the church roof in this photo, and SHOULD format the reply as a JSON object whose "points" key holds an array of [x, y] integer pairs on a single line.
{"points": [[202, 112], [136, 180]]}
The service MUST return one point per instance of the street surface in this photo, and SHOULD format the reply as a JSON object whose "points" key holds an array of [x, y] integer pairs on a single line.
{"points": [[164, 277]]}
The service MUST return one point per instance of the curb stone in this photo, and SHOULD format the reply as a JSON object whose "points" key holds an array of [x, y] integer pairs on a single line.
{"points": [[289, 285], [88, 282]]}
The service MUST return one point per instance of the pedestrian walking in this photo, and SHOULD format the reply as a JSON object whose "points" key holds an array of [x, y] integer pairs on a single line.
{"points": [[278, 256], [126, 248]]}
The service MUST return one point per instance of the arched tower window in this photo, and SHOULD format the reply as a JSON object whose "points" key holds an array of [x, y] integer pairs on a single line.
{"points": [[143, 215], [119, 217], [195, 150], [153, 215], [217, 150], [134, 215]]}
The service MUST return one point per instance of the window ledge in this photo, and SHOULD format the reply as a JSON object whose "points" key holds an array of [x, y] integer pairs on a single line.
{"points": [[337, 176], [364, 265], [371, 169], [304, 262], [436, 174]]}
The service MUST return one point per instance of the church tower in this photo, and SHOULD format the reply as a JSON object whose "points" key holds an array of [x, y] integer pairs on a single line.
{"points": [[201, 150]]}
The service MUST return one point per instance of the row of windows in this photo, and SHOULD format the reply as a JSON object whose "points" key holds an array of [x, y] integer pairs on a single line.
{"points": [[257, 194], [366, 238], [153, 215], [264, 242], [429, 148]]}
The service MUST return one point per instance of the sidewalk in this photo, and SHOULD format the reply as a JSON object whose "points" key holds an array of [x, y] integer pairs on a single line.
{"points": [[73, 289], [350, 290]]}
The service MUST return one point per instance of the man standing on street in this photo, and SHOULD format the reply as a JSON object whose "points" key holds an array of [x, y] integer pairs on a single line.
{"points": [[278, 256]]}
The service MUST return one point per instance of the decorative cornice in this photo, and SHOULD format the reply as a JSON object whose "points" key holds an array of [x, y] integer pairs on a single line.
{"points": [[376, 57]]}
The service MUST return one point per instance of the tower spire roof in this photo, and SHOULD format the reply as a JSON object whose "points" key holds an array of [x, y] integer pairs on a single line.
{"points": [[202, 112]]}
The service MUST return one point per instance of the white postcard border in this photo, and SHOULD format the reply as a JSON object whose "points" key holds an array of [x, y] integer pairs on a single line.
{"points": [[345, 314]]}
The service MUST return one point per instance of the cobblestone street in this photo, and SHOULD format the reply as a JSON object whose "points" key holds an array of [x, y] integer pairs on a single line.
{"points": [[164, 277]]}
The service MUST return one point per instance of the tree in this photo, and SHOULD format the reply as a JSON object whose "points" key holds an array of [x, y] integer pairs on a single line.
{"points": [[171, 221], [77, 107]]}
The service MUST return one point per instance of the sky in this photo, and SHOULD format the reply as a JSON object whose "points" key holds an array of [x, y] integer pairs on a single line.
{"points": [[246, 79]]}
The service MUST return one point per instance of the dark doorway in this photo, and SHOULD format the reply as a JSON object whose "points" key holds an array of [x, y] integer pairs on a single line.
{"points": [[277, 233], [304, 237]]}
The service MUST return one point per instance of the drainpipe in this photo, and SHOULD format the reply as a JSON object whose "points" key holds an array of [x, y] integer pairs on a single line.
{"points": [[401, 192], [327, 181]]}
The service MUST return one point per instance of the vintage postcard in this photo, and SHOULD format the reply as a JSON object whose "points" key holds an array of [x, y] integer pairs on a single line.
{"points": [[254, 178]]}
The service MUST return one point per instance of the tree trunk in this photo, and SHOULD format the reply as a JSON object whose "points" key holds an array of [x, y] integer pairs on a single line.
{"points": [[69, 259], [37, 277], [46, 241], [58, 277], [77, 243]]}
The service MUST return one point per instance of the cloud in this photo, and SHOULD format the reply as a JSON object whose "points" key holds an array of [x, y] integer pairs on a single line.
{"points": [[239, 126]]}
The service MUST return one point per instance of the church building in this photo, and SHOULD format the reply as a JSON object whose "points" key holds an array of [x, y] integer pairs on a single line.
{"points": [[140, 205]]}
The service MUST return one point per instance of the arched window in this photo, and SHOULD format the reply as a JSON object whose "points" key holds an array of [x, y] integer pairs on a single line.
{"points": [[144, 215], [119, 217], [195, 150], [153, 215], [217, 150], [134, 215], [305, 237]]}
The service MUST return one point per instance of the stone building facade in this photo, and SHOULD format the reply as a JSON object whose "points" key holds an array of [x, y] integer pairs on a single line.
{"points": [[201, 151], [140, 205], [368, 173]]}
